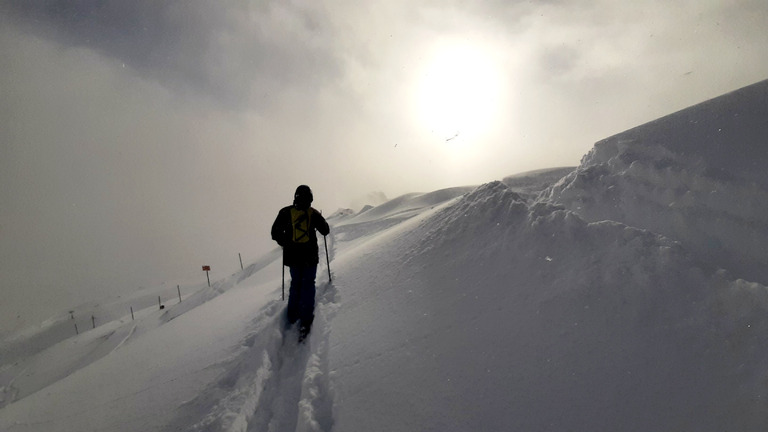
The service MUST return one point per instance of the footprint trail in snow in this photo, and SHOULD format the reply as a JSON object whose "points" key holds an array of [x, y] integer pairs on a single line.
{"points": [[271, 382]]}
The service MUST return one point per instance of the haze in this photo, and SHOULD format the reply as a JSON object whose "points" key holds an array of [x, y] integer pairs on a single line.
{"points": [[141, 140]]}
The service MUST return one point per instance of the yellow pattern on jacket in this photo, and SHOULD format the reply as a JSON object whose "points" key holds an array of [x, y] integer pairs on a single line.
{"points": [[300, 220]]}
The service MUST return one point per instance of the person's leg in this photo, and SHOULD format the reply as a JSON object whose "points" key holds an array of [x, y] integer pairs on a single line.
{"points": [[294, 296], [307, 303]]}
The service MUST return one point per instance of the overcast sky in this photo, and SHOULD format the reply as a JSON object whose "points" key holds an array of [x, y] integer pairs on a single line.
{"points": [[142, 139]]}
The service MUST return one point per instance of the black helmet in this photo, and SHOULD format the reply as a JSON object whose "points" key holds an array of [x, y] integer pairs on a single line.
{"points": [[303, 197]]}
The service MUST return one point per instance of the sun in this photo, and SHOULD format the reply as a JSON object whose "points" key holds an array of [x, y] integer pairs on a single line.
{"points": [[458, 91]]}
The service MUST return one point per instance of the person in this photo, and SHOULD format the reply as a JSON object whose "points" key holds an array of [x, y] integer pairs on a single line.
{"points": [[294, 230]]}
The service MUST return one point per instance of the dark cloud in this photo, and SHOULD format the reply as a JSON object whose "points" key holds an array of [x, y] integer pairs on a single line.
{"points": [[236, 54]]}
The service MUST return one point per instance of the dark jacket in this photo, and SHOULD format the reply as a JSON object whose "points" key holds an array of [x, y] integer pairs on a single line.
{"points": [[300, 242]]}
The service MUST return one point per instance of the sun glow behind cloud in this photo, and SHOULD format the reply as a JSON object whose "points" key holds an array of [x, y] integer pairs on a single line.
{"points": [[458, 92]]}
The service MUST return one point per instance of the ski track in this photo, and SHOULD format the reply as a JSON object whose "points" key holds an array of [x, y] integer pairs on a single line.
{"points": [[271, 383]]}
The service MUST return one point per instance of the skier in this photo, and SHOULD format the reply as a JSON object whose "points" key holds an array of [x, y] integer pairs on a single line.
{"points": [[294, 230]]}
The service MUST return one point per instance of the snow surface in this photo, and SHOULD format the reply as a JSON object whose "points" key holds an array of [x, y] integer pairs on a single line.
{"points": [[698, 176], [531, 183], [587, 305]]}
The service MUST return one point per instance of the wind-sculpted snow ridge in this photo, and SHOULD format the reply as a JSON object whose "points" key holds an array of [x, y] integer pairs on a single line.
{"points": [[698, 176], [375, 220], [531, 183], [495, 314], [273, 383], [407, 205]]}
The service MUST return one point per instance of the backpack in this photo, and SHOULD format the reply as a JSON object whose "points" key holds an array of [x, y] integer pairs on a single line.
{"points": [[301, 222]]}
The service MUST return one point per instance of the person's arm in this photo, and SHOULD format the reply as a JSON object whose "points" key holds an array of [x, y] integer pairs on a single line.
{"points": [[279, 233], [321, 225]]}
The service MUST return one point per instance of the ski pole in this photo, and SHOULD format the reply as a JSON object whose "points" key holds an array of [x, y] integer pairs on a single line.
{"points": [[283, 266], [327, 259]]}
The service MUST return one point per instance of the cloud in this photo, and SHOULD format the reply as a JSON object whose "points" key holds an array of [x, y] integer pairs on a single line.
{"points": [[111, 182], [235, 54]]}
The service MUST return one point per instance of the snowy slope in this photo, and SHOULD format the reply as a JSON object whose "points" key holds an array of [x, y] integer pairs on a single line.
{"points": [[406, 205], [496, 314], [532, 182], [219, 360], [464, 309], [131, 375], [698, 176]]}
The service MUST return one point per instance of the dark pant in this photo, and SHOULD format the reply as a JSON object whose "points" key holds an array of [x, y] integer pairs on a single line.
{"points": [[301, 298]]}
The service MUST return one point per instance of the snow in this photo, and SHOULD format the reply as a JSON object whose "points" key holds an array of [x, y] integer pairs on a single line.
{"points": [[517, 317], [697, 176], [532, 182], [596, 302]]}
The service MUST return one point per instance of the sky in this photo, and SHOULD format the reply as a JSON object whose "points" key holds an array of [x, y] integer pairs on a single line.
{"points": [[141, 140]]}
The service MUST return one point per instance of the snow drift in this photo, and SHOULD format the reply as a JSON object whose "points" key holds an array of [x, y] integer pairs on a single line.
{"points": [[698, 176], [497, 314]]}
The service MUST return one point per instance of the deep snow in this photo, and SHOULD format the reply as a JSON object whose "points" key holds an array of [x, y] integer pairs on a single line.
{"points": [[597, 303], [698, 176], [491, 314]]}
